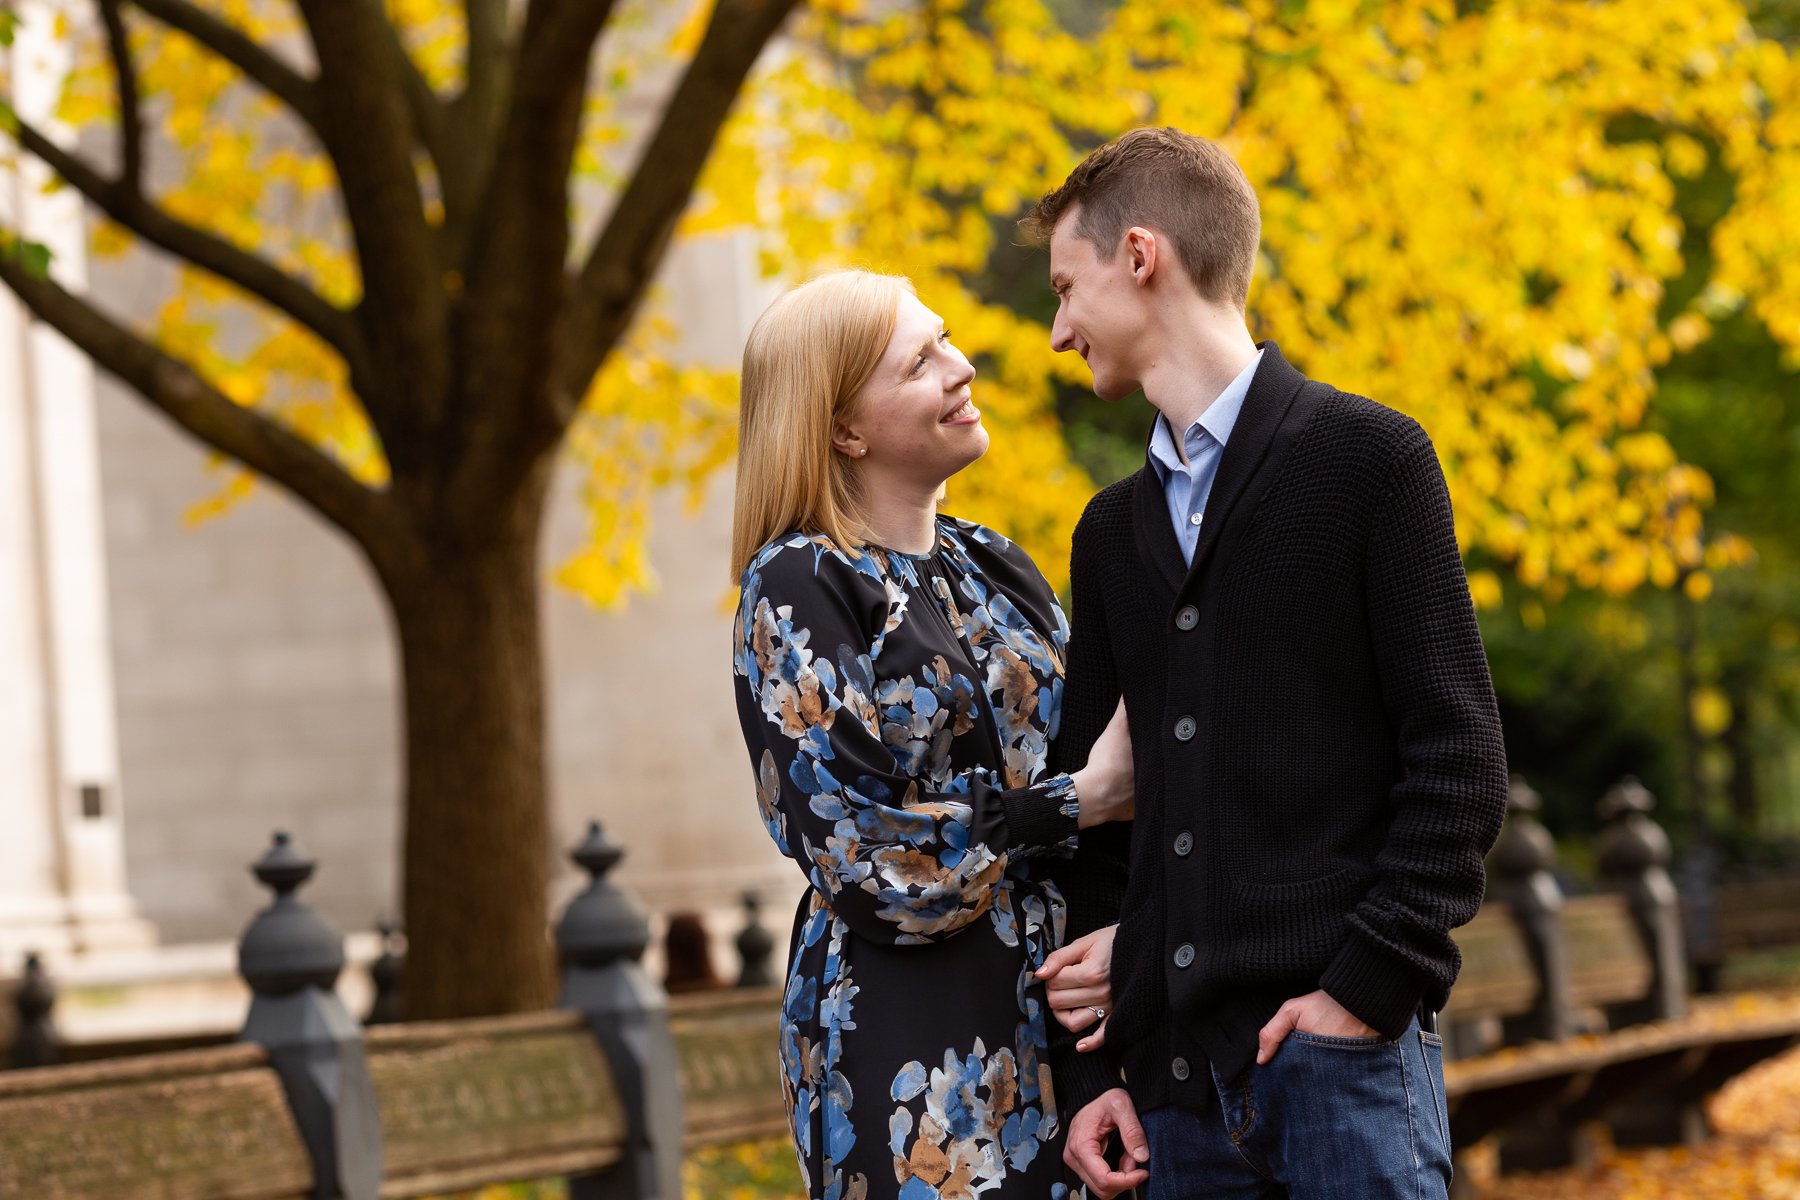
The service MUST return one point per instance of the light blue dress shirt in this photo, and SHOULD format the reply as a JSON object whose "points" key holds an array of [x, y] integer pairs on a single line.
{"points": [[1186, 486]]}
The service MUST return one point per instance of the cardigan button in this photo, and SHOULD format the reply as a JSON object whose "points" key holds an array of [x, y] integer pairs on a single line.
{"points": [[1186, 617], [1185, 729], [1184, 955], [1179, 1069], [1184, 844]]}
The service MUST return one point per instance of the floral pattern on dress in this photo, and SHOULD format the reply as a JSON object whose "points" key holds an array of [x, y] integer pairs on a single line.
{"points": [[898, 710]]}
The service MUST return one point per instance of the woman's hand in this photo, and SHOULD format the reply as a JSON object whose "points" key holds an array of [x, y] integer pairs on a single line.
{"points": [[1106, 788], [1078, 985]]}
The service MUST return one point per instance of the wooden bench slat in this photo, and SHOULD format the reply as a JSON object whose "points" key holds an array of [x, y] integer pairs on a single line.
{"points": [[1607, 960], [472, 1177], [176, 1064], [731, 1067], [466, 1103], [1757, 914], [1497, 977], [206, 1123]]}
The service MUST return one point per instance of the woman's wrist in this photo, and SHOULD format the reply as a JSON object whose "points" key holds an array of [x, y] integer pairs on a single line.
{"points": [[1094, 800]]}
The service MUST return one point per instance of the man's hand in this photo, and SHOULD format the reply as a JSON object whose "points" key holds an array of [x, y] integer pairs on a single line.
{"points": [[1314, 1012], [1085, 1151], [1078, 984]]}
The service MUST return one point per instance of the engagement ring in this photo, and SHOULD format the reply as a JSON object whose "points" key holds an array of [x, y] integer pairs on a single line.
{"points": [[1099, 1013]]}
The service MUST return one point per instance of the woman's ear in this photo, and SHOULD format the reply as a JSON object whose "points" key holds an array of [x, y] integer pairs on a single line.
{"points": [[845, 441]]}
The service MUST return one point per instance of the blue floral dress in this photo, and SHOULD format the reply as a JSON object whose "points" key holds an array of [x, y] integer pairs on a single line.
{"points": [[898, 710]]}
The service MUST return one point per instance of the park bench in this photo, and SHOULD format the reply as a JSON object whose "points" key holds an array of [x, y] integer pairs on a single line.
{"points": [[1572, 1012], [1756, 915], [1569, 1010], [190, 1123], [309, 1104], [730, 1069], [1500, 996], [458, 1105]]}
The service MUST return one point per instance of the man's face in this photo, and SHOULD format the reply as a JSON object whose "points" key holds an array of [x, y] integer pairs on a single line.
{"points": [[1100, 312]]}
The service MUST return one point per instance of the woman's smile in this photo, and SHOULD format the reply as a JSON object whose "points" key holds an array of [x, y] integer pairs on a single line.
{"points": [[963, 414]]}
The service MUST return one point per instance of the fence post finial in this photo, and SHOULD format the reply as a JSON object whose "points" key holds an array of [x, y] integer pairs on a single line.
{"points": [[291, 959], [1633, 854], [388, 974], [755, 946], [601, 936], [35, 1043], [1523, 857]]}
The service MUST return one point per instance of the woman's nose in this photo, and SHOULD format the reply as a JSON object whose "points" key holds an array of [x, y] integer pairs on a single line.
{"points": [[962, 373]]}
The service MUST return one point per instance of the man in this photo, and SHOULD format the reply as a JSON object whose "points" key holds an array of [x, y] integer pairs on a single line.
{"points": [[1279, 597]]}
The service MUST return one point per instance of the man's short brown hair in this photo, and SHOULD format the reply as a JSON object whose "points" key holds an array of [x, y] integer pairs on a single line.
{"points": [[1186, 188]]}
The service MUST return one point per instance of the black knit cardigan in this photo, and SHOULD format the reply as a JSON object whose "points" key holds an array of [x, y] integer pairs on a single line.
{"points": [[1318, 753]]}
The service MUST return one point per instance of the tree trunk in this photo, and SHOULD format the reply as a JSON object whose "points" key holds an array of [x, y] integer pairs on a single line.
{"points": [[476, 861]]}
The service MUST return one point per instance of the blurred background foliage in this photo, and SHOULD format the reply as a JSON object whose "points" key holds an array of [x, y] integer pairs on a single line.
{"points": [[1560, 234], [1674, 655], [1693, 686]]}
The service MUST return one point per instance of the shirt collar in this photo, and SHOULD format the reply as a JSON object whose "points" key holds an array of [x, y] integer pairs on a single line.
{"points": [[1218, 420]]}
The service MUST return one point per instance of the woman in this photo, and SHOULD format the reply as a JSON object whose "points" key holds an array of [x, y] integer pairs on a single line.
{"points": [[899, 676]]}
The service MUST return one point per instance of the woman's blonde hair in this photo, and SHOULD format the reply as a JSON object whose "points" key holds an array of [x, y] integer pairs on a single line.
{"points": [[808, 356]]}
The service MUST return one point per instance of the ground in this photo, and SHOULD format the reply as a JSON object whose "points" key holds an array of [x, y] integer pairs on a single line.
{"points": [[1756, 1155]]}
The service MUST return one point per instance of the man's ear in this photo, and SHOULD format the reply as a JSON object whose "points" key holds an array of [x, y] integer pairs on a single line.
{"points": [[1141, 249]]}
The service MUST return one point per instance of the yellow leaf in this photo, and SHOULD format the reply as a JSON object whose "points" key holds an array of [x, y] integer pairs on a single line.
{"points": [[1710, 710], [1484, 589]]}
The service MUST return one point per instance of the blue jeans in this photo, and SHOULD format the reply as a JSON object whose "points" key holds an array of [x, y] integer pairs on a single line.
{"points": [[1344, 1118]]}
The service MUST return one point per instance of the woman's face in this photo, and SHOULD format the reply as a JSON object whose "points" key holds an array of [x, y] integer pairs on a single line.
{"points": [[915, 414]]}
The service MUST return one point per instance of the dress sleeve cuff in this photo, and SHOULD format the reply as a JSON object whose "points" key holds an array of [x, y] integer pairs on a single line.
{"points": [[1375, 989], [1042, 817]]}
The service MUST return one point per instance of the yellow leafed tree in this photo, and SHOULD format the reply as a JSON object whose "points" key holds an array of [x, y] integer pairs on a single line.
{"points": [[400, 295], [1469, 214]]}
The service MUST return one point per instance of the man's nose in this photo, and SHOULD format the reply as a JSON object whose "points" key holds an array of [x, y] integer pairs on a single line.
{"points": [[1061, 336]]}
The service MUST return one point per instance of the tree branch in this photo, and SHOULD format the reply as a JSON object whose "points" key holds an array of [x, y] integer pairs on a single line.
{"points": [[625, 256], [517, 269], [120, 200], [557, 29], [190, 401], [487, 48], [235, 47], [131, 123], [367, 129], [474, 119], [429, 113]]}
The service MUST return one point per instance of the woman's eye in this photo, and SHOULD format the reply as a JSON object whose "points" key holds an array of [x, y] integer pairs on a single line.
{"points": [[944, 338]]}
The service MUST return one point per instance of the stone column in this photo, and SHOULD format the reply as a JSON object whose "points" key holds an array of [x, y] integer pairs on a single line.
{"points": [[62, 863]]}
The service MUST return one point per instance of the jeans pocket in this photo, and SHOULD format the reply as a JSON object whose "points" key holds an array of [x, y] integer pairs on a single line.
{"points": [[1342, 1043]]}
